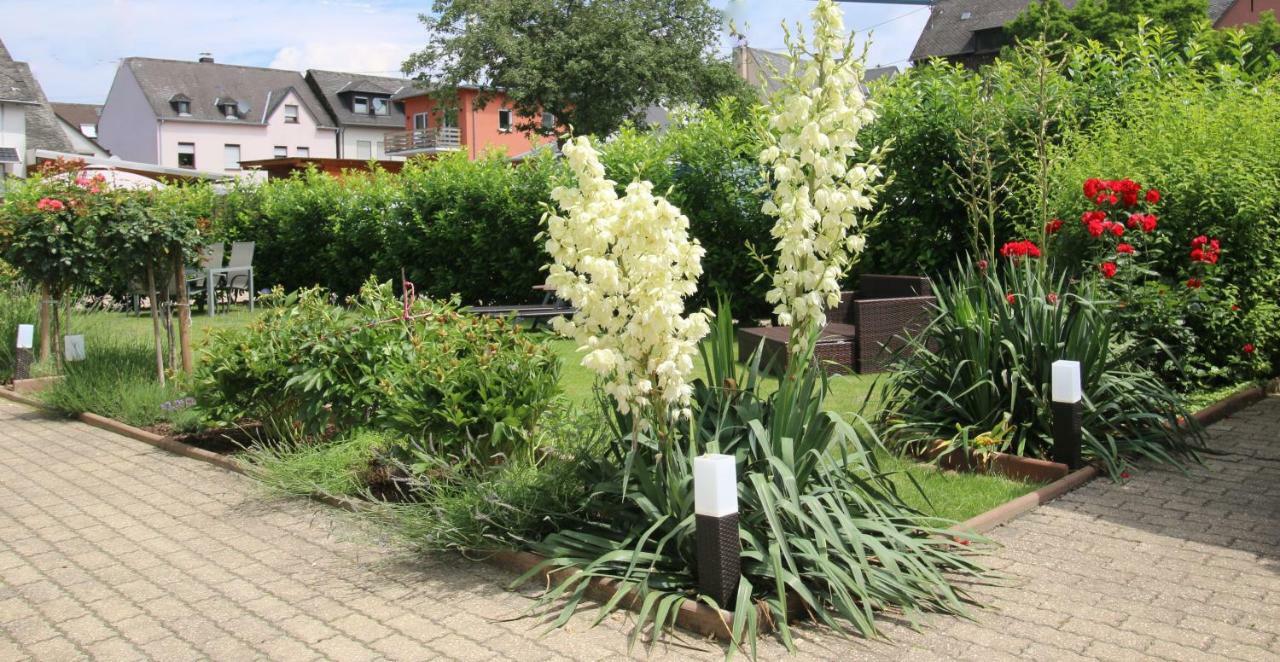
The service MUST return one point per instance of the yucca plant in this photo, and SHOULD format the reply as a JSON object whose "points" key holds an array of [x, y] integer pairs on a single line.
{"points": [[985, 362], [823, 532]]}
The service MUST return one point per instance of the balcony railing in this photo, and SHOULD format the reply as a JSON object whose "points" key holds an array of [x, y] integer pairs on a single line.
{"points": [[423, 140]]}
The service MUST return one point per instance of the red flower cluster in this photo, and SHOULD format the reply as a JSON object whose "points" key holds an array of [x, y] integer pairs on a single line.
{"points": [[1194, 283], [1124, 249], [1022, 248], [1117, 191], [1108, 269], [91, 184], [1053, 226], [1145, 221], [50, 204], [1096, 223], [1206, 250]]}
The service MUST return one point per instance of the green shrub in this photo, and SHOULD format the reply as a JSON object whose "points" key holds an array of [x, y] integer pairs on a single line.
{"points": [[18, 305], [1214, 153], [983, 367], [469, 386]]}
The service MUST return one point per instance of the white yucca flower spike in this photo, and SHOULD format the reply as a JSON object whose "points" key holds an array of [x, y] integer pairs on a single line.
{"points": [[821, 195], [627, 264]]}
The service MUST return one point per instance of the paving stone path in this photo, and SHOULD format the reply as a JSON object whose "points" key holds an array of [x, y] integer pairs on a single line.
{"points": [[112, 550]]}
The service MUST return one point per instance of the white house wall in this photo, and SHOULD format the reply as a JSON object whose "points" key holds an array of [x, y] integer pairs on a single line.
{"points": [[79, 143], [13, 133], [352, 135]]}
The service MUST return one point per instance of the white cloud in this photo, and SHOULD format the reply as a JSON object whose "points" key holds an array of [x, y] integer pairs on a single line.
{"points": [[355, 55]]}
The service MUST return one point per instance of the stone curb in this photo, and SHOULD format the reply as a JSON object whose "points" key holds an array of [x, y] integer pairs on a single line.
{"points": [[1010, 510], [1231, 404]]}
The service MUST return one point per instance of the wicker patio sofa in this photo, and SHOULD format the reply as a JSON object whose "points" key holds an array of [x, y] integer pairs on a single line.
{"points": [[862, 332]]}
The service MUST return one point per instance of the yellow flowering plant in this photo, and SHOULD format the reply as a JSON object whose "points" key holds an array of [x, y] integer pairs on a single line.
{"points": [[627, 264], [821, 193]]}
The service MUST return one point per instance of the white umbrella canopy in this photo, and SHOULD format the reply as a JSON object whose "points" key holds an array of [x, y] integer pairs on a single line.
{"points": [[119, 179]]}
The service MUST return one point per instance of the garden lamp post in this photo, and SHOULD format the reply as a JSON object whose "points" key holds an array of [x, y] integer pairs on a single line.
{"points": [[24, 355], [715, 506], [1068, 413]]}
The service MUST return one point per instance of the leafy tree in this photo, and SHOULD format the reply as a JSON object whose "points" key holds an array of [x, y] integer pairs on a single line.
{"points": [[1105, 21], [1109, 22], [592, 64]]}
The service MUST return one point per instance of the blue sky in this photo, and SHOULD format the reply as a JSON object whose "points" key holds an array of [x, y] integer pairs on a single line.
{"points": [[74, 46]]}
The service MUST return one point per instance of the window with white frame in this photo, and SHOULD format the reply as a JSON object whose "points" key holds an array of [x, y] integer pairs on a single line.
{"points": [[360, 105], [304, 152], [290, 114], [186, 155], [280, 152], [420, 121], [504, 120], [381, 106], [364, 149], [231, 157]]}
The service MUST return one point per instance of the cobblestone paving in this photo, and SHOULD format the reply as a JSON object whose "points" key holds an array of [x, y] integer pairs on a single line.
{"points": [[112, 550]]}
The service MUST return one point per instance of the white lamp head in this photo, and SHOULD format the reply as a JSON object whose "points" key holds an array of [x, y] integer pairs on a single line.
{"points": [[26, 336], [1066, 382], [715, 485]]}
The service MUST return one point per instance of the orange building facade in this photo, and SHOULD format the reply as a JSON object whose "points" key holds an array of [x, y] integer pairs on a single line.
{"points": [[475, 131]]}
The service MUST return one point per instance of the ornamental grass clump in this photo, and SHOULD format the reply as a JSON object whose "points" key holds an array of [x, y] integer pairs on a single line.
{"points": [[823, 533]]}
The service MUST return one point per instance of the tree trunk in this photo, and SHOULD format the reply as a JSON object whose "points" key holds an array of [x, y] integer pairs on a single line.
{"points": [[45, 330], [184, 313], [155, 319]]}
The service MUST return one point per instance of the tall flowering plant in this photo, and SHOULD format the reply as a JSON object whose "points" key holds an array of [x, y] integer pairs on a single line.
{"points": [[821, 192], [627, 264]]}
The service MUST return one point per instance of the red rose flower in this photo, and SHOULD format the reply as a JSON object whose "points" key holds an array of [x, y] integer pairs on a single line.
{"points": [[1126, 249], [1153, 196], [1124, 475], [1052, 227], [1195, 283], [50, 204], [1117, 229], [1108, 269], [1092, 187], [1249, 348], [1149, 223], [1052, 298], [982, 265], [1010, 298], [1199, 241], [1022, 248]]}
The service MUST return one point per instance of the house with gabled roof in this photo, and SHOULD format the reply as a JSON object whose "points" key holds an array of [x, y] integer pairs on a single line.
{"points": [[364, 108], [760, 69], [27, 123], [971, 32], [208, 116], [79, 123]]}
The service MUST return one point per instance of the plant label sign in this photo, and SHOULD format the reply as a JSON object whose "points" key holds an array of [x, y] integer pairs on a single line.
{"points": [[26, 336], [73, 348]]}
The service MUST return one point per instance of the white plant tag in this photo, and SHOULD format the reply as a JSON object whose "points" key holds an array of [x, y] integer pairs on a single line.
{"points": [[73, 348]]}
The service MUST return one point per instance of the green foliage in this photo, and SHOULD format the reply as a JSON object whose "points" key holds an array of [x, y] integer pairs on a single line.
{"points": [[1214, 153], [301, 467], [988, 354], [18, 305], [116, 380], [470, 387], [49, 228], [823, 530], [502, 506], [593, 65]]}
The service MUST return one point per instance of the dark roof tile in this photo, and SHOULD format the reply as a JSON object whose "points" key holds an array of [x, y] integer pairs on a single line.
{"points": [[335, 89], [208, 83]]}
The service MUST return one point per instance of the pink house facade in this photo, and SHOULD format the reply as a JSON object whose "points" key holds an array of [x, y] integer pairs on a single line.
{"points": [[210, 117]]}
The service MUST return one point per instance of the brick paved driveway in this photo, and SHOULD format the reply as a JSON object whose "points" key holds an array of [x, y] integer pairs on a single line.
{"points": [[112, 550]]}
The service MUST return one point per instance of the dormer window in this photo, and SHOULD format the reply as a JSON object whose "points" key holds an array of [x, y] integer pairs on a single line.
{"points": [[381, 106], [231, 109], [360, 105], [181, 104]]}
